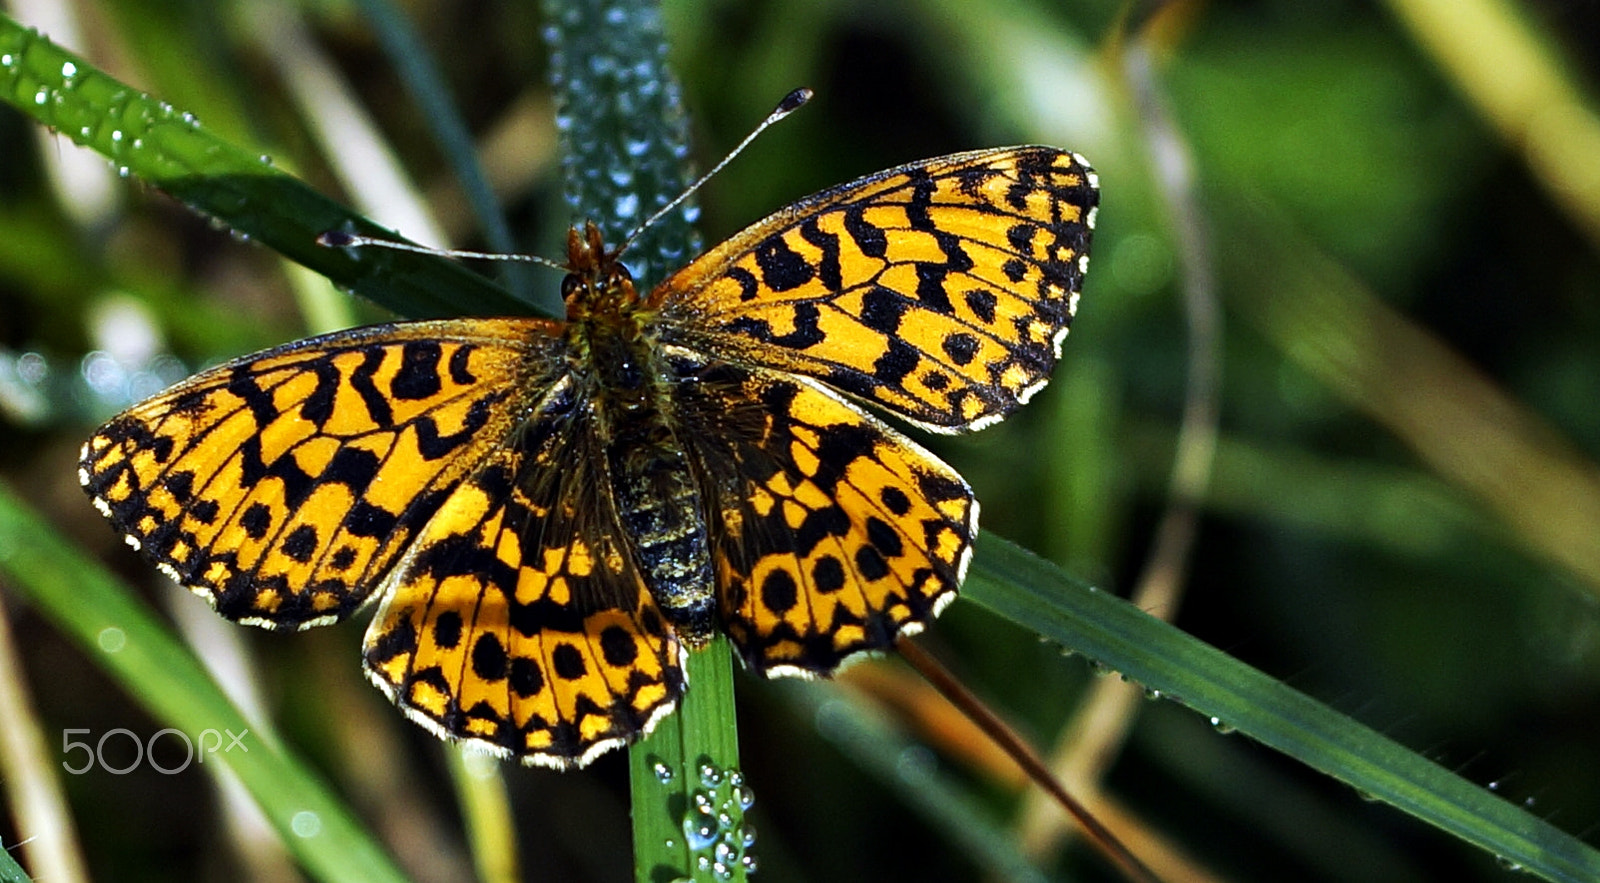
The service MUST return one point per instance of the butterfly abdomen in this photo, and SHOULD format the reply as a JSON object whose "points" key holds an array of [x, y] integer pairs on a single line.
{"points": [[660, 510], [657, 501]]}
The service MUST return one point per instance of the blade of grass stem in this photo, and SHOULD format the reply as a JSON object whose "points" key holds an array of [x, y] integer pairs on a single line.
{"points": [[1033, 593]]}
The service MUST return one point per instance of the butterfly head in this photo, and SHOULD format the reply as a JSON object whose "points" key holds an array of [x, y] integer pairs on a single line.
{"points": [[597, 282]]}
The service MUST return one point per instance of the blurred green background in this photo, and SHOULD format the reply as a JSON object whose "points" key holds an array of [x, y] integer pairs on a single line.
{"points": [[1392, 209]]}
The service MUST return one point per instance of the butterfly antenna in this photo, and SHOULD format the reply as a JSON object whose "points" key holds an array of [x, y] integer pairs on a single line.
{"points": [[790, 103], [344, 239]]}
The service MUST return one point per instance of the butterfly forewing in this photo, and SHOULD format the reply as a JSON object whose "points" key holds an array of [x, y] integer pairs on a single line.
{"points": [[284, 485], [940, 290]]}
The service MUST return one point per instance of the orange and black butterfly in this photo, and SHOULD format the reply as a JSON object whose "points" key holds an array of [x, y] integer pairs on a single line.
{"points": [[550, 514]]}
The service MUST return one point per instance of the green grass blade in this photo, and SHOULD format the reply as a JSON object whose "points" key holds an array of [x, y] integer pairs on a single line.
{"points": [[1035, 594], [10, 871], [486, 808], [624, 134], [169, 149], [689, 796], [125, 638]]}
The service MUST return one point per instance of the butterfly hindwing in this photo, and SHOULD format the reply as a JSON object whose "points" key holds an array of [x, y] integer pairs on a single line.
{"points": [[940, 290], [834, 533], [519, 620], [282, 486]]}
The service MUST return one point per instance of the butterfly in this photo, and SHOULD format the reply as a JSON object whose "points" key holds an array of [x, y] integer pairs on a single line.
{"points": [[550, 514]]}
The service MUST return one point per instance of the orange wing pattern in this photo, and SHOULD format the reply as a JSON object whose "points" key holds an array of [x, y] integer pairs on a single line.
{"points": [[941, 290], [284, 485], [834, 533], [291, 486], [519, 619]]}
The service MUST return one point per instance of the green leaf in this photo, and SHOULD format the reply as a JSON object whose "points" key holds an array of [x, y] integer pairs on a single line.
{"points": [[168, 148], [1108, 630]]}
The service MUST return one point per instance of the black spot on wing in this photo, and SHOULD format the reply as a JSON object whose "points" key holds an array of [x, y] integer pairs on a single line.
{"points": [[318, 407], [807, 328], [960, 346], [447, 630], [894, 365], [460, 367], [489, 657], [361, 380], [779, 592], [882, 309], [982, 304], [418, 375], [870, 239], [828, 243], [782, 268]]}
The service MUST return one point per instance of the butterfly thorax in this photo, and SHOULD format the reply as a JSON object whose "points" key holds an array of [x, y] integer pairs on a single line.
{"points": [[658, 504]]}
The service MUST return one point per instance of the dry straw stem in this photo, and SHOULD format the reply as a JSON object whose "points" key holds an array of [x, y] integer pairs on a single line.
{"points": [[1526, 93], [50, 840]]}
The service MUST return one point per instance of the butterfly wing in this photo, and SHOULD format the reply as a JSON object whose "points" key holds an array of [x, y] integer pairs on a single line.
{"points": [[518, 620], [283, 486], [833, 532], [940, 290]]}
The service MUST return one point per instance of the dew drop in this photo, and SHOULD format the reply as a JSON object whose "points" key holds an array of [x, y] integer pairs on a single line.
{"points": [[33, 368], [68, 70], [111, 639], [710, 776], [306, 823], [699, 829]]}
